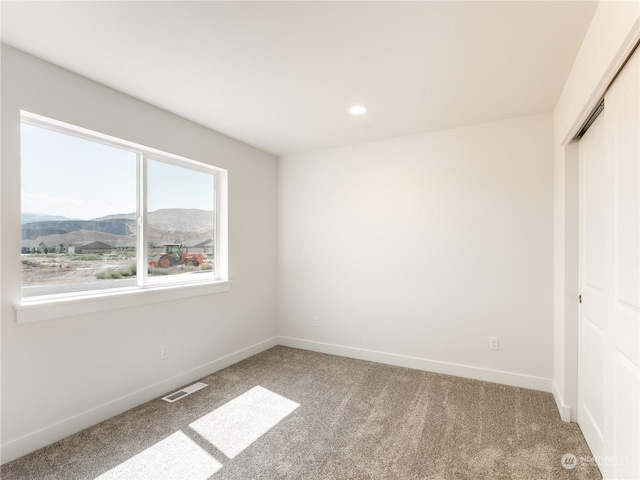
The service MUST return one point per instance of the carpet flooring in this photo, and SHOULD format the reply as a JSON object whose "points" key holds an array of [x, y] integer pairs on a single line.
{"points": [[333, 418]]}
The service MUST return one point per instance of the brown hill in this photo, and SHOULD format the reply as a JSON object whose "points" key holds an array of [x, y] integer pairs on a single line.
{"points": [[179, 225], [179, 219]]}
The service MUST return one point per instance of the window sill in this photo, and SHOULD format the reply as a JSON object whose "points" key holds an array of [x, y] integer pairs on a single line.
{"points": [[48, 309]]}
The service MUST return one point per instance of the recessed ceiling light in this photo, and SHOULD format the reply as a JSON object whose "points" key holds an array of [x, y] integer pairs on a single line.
{"points": [[358, 110]]}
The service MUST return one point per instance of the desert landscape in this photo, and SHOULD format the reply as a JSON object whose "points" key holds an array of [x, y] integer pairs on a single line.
{"points": [[65, 255]]}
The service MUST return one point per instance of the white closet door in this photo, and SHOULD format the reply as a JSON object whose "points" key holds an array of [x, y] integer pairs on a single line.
{"points": [[622, 272], [609, 263], [591, 315]]}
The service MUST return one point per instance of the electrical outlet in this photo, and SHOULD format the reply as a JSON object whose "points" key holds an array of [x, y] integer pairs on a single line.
{"points": [[164, 352], [494, 343], [316, 321]]}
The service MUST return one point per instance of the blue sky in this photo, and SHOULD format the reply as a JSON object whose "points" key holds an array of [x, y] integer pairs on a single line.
{"points": [[76, 178]]}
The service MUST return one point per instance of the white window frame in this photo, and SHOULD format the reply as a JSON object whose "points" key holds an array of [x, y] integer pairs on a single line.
{"points": [[46, 307]]}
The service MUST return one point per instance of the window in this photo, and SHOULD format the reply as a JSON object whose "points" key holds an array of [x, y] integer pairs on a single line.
{"points": [[101, 215]]}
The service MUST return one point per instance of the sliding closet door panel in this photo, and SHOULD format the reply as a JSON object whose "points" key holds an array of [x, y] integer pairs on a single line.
{"points": [[591, 317], [623, 140], [622, 270], [592, 170]]}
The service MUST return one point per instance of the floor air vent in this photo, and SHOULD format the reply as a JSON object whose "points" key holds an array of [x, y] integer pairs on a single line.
{"points": [[184, 392]]}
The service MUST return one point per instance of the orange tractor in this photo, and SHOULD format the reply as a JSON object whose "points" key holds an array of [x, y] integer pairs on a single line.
{"points": [[176, 254]]}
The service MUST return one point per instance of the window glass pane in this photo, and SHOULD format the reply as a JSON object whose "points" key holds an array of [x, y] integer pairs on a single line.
{"points": [[78, 214], [180, 222]]}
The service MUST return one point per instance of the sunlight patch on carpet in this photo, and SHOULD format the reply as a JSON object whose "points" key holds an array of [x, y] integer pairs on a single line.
{"points": [[237, 424], [177, 457]]}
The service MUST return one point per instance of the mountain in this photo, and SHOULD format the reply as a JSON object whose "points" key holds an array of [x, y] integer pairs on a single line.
{"points": [[181, 219], [41, 217], [170, 225], [176, 219], [126, 216], [31, 231]]}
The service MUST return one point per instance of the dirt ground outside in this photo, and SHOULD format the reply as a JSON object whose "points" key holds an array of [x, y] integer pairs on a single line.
{"points": [[50, 273], [38, 269]]}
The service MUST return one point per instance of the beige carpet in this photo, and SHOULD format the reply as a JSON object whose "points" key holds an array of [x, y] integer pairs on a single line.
{"points": [[316, 416]]}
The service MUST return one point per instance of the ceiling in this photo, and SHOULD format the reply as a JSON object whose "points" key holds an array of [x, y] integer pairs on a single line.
{"points": [[281, 75]]}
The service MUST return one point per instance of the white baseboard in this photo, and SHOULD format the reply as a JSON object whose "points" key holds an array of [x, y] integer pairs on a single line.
{"points": [[565, 411], [52, 433], [476, 373]]}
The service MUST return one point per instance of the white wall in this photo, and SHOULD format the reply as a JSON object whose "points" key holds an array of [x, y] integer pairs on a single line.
{"points": [[63, 375], [613, 32], [423, 247]]}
